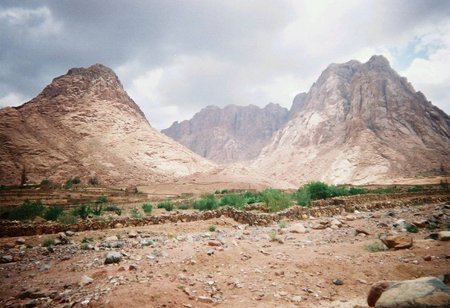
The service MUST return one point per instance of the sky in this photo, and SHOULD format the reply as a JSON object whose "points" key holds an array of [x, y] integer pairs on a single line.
{"points": [[176, 57]]}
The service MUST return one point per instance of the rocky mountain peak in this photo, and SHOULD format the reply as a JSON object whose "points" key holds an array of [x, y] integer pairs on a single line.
{"points": [[359, 122], [230, 134]]}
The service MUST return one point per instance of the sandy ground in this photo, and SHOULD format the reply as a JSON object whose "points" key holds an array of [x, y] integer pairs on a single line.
{"points": [[234, 266]]}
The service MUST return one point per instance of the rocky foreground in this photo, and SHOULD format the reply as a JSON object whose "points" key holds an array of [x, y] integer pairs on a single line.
{"points": [[317, 262]]}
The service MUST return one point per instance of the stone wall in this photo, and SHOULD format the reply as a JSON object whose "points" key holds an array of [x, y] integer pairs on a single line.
{"points": [[321, 208]]}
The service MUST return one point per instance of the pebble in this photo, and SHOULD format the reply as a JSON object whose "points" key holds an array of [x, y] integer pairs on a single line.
{"points": [[338, 282], [113, 257]]}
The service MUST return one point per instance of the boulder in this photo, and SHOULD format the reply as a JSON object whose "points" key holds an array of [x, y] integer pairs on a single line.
{"points": [[113, 257], [424, 292], [397, 241], [297, 228]]}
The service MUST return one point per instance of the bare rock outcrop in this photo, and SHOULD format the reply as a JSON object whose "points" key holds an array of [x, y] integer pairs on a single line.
{"points": [[359, 123], [84, 124], [230, 134]]}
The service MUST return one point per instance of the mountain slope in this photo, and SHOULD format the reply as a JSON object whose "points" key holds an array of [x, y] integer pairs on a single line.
{"points": [[359, 123], [84, 124], [232, 134]]}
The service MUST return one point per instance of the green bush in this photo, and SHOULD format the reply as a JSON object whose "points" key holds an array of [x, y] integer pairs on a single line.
{"points": [[67, 219], [282, 224], [113, 208], [303, 196], [212, 228], [97, 209], [166, 204], [416, 188], [183, 207], [101, 200], [233, 200], [276, 200], [251, 197], [68, 184], [357, 191], [135, 213], [375, 246], [206, 203], [82, 211], [53, 212], [412, 229], [319, 190], [48, 242], [147, 207], [28, 210]]}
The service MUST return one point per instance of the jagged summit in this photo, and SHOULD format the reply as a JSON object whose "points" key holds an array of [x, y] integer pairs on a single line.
{"points": [[359, 123], [85, 124], [229, 134]]}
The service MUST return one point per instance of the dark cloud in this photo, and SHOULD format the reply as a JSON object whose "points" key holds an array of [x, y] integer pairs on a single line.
{"points": [[199, 52]]}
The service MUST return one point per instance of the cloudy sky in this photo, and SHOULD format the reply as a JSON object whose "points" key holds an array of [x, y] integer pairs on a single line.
{"points": [[175, 57]]}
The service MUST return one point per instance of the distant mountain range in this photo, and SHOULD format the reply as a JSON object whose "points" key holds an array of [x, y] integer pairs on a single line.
{"points": [[359, 123]]}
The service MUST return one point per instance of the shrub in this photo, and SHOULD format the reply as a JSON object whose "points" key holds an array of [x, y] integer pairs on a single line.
{"points": [[273, 236], [183, 207], [97, 209], [93, 181], [135, 213], [68, 184], [47, 184], [251, 197], [87, 240], [28, 210], [67, 219], [233, 200], [375, 246], [212, 228], [48, 242], [101, 200], [275, 199], [444, 184], [282, 224], [303, 196], [85, 246], [412, 229], [53, 212], [318, 190], [206, 203], [147, 207], [166, 204], [83, 211], [357, 191], [113, 208]]}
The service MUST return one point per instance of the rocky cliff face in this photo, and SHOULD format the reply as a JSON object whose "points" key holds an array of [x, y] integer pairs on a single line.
{"points": [[359, 123], [232, 134], [84, 124]]}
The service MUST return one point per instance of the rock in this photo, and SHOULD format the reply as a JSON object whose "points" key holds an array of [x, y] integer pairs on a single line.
{"points": [[397, 241], [205, 299], [361, 231], [6, 259], [400, 225], [132, 234], [296, 299], [338, 282], [210, 252], [444, 235], [111, 238], [132, 267], [31, 303], [20, 241], [214, 243], [113, 257], [427, 258], [420, 223], [70, 233], [85, 280], [62, 237], [298, 228], [422, 292], [118, 225]]}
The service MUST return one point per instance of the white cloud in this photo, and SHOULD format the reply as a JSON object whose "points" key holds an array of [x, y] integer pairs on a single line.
{"points": [[11, 99]]}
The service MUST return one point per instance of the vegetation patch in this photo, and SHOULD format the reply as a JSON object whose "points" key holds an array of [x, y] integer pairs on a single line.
{"points": [[276, 200], [147, 207], [53, 212], [206, 203], [166, 204]]}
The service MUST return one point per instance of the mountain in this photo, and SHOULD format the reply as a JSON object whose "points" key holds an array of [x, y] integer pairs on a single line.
{"points": [[232, 134], [84, 124], [359, 123]]}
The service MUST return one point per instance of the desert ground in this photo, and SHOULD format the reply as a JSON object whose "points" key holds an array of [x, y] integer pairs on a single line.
{"points": [[315, 261]]}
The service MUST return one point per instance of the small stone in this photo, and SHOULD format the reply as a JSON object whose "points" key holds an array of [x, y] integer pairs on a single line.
{"points": [[85, 280], [214, 243], [113, 257], [298, 228], [6, 259], [397, 241], [338, 282], [118, 225], [210, 252], [361, 231], [70, 233], [132, 267], [112, 238], [20, 241], [132, 234], [296, 299], [444, 235], [205, 299], [427, 258]]}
